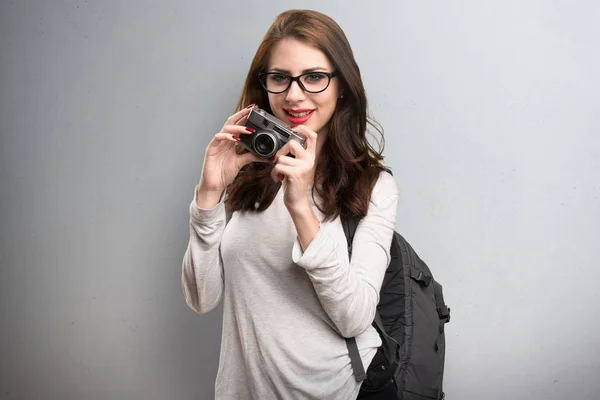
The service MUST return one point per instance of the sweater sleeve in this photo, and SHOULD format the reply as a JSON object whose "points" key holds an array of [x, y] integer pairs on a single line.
{"points": [[202, 269], [349, 291]]}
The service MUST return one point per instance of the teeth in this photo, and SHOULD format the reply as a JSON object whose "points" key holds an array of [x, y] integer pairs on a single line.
{"points": [[299, 115]]}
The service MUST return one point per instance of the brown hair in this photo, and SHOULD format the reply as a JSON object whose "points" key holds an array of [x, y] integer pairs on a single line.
{"points": [[348, 166]]}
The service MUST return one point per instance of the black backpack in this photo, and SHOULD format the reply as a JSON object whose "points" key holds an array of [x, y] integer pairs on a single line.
{"points": [[410, 319]]}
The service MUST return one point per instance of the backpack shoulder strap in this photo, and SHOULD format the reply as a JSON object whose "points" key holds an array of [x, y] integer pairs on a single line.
{"points": [[355, 360], [349, 224]]}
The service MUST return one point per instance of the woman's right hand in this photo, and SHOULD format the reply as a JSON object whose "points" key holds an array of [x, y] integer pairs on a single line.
{"points": [[221, 162]]}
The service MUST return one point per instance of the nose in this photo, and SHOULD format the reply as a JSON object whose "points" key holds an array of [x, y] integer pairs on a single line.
{"points": [[294, 93]]}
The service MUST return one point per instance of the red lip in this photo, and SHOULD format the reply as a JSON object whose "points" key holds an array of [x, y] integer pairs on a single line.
{"points": [[298, 120]]}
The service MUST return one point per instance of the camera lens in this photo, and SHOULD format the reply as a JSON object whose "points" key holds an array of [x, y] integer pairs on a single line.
{"points": [[264, 144]]}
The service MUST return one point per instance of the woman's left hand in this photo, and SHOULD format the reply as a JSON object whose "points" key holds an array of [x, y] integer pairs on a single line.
{"points": [[297, 172]]}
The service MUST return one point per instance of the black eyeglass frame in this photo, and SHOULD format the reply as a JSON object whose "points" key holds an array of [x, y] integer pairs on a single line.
{"points": [[329, 75]]}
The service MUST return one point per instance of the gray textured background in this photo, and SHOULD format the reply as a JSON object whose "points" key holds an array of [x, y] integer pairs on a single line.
{"points": [[491, 111]]}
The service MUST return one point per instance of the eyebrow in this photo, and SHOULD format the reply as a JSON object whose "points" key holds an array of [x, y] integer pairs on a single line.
{"points": [[303, 71]]}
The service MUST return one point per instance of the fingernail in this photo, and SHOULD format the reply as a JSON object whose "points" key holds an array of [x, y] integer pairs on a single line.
{"points": [[251, 130], [273, 158], [236, 138], [250, 106]]}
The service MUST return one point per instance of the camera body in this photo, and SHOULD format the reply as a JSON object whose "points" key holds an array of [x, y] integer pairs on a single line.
{"points": [[270, 135]]}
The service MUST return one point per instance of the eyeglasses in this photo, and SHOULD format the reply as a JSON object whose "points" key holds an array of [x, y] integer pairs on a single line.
{"points": [[311, 82]]}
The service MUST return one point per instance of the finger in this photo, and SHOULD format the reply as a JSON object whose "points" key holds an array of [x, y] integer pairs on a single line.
{"points": [[241, 121], [284, 170], [244, 117], [280, 172], [291, 149], [310, 136], [296, 148], [277, 177], [221, 136], [240, 115], [283, 151], [237, 129], [286, 160]]}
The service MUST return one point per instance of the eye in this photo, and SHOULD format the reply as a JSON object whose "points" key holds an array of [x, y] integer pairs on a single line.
{"points": [[278, 78], [314, 77]]}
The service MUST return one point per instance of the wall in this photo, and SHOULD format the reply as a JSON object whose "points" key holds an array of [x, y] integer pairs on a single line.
{"points": [[491, 118]]}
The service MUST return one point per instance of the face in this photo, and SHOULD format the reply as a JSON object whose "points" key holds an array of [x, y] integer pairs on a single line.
{"points": [[295, 106]]}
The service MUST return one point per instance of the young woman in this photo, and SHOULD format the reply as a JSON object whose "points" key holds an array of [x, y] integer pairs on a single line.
{"points": [[280, 263]]}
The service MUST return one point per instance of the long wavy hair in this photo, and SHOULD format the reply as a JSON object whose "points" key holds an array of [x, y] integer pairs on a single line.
{"points": [[348, 166]]}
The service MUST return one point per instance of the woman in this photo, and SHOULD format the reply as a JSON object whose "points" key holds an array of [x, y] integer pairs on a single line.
{"points": [[280, 263]]}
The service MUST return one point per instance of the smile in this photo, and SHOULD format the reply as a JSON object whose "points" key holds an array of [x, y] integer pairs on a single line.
{"points": [[298, 117], [299, 114]]}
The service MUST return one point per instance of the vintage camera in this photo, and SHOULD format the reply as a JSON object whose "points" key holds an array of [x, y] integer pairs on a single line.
{"points": [[270, 134]]}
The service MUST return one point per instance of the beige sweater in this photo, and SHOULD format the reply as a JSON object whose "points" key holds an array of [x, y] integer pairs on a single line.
{"points": [[286, 312]]}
